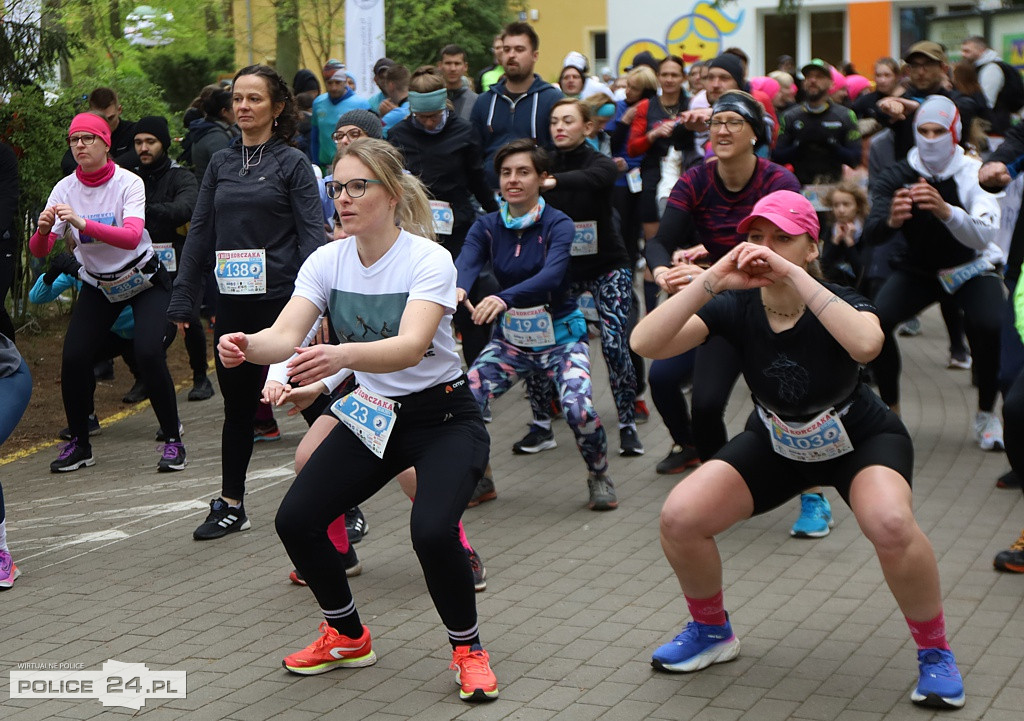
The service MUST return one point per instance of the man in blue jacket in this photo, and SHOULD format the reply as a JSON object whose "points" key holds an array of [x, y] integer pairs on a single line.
{"points": [[517, 106], [327, 108]]}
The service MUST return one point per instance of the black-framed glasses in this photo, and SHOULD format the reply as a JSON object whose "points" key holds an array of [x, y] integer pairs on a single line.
{"points": [[353, 134], [84, 139], [356, 187], [732, 125]]}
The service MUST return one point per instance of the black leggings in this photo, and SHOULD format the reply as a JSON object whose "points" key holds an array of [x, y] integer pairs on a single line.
{"points": [[240, 387], [443, 437], [88, 332], [1013, 425], [716, 368], [981, 299]]}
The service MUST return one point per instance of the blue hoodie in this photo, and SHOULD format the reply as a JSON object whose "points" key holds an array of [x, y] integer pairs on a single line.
{"points": [[326, 112], [531, 268], [498, 120]]}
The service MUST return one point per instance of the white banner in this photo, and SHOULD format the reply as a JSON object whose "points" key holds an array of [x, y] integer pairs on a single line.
{"points": [[364, 41]]}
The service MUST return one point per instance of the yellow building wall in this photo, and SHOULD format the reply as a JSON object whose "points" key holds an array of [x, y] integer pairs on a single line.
{"points": [[256, 37], [563, 26]]}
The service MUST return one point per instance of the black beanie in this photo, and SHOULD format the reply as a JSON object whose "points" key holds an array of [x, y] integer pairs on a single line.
{"points": [[364, 120], [732, 65], [155, 125]]}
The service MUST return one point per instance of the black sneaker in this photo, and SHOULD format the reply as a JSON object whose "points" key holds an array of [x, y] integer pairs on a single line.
{"points": [[629, 442], [479, 572], [602, 492], [678, 460], [173, 458], [352, 565], [1012, 559], [94, 429], [536, 440], [355, 525], [1010, 479], [352, 568], [483, 492], [223, 519], [72, 457], [202, 389], [161, 437], [137, 394]]}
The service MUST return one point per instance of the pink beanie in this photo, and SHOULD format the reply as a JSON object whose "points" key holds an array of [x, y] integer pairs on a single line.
{"points": [[768, 86], [838, 81], [90, 123], [855, 85]]}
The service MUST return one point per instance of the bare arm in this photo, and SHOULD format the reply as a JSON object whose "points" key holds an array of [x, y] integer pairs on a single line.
{"points": [[415, 333]]}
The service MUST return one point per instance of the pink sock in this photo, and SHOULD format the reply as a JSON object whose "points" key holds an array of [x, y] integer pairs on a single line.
{"points": [[338, 534], [462, 538], [709, 611], [930, 634]]}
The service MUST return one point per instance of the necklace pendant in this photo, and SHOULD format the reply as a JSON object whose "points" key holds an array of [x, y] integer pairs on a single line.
{"points": [[243, 172]]}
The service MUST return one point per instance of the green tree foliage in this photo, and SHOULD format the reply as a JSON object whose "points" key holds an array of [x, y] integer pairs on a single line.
{"points": [[418, 29], [28, 51], [180, 71]]}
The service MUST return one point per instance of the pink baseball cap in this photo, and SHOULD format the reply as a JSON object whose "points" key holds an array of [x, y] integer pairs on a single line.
{"points": [[90, 123], [790, 211]]}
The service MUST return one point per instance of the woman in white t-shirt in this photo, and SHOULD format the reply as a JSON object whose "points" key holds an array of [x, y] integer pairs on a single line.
{"points": [[391, 296], [101, 208]]}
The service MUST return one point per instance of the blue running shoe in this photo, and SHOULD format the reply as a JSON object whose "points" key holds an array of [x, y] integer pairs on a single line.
{"points": [[940, 684], [697, 647], [815, 517]]}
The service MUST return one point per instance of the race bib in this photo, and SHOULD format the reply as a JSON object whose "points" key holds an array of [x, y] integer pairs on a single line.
{"points": [[633, 181], [242, 272], [589, 307], [165, 252], [953, 278], [370, 416], [584, 239], [127, 285], [444, 218], [528, 327], [822, 439]]}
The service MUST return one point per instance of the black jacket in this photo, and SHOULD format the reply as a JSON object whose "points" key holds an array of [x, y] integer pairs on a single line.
{"points": [[585, 182], [276, 206], [818, 144], [449, 163], [171, 194], [8, 193]]}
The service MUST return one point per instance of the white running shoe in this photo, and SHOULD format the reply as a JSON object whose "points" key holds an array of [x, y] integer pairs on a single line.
{"points": [[989, 431]]}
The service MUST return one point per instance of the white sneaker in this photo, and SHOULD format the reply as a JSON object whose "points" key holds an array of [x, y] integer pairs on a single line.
{"points": [[989, 431]]}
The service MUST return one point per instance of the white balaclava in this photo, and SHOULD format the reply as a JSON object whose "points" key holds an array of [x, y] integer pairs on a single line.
{"points": [[937, 153]]}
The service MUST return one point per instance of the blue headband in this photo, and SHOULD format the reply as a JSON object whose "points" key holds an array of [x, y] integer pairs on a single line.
{"points": [[427, 102]]}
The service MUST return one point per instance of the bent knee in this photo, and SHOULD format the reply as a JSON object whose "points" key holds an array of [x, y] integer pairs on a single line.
{"points": [[891, 529]]}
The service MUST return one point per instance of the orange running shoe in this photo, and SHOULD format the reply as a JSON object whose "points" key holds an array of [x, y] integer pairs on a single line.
{"points": [[473, 673], [332, 650]]}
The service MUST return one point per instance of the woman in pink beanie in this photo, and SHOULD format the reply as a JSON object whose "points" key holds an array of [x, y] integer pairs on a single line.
{"points": [[100, 211]]}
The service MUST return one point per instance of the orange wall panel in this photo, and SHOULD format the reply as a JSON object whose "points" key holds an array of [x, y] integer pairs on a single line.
{"points": [[870, 32]]}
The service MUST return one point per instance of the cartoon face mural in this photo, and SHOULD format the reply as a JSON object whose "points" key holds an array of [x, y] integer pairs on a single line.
{"points": [[695, 36]]}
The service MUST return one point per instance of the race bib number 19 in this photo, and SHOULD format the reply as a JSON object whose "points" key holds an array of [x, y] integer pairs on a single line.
{"points": [[528, 327]]}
